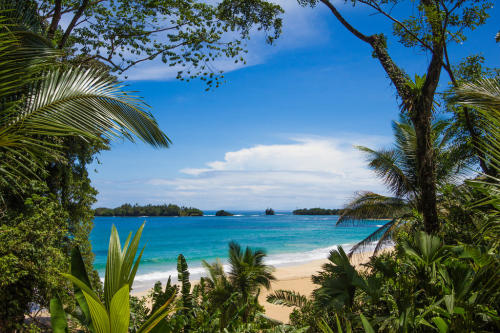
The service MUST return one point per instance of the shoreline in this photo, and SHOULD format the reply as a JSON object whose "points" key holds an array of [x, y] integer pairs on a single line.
{"points": [[296, 277]]}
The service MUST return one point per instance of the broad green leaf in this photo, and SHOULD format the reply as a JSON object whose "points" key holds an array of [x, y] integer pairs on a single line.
{"points": [[100, 318], [78, 270], [58, 319], [132, 273], [119, 314], [449, 301], [366, 324], [112, 280], [129, 256], [82, 286], [441, 324]]}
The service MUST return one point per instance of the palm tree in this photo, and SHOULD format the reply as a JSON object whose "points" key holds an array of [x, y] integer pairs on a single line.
{"points": [[240, 287], [41, 98], [397, 167], [248, 271]]}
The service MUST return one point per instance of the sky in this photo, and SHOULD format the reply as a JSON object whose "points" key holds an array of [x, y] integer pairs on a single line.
{"points": [[281, 131]]}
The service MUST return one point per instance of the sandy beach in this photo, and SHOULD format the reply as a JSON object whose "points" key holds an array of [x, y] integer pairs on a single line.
{"points": [[297, 278]]}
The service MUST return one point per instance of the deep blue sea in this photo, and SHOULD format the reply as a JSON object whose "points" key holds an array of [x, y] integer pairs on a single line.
{"points": [[288, 239]]}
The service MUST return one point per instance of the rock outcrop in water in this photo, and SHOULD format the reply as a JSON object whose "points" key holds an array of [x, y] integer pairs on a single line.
{"points": [[269, 211]]}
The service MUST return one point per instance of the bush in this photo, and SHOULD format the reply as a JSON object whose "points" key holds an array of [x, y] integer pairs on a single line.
{"points": [[31, 257]]}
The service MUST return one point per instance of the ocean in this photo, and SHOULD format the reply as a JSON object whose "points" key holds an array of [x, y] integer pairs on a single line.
{"points": [[288, 240]]}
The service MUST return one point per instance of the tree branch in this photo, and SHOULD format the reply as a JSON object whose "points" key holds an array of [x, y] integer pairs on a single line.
{"points": [[73, 22], [346, 24], [397, 76], [122, 69], [434, 68], [55, 20], [390, 17]]}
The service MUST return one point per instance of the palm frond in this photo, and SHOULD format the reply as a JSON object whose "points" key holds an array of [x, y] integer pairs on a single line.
{"points": [[385, 165], [382, 236], [483, 94], [369, 205], [288, 298], [86, 102], [39, 101]]}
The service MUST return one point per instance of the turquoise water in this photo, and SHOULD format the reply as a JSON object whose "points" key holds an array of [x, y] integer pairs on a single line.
{"points": [[288, 239]]}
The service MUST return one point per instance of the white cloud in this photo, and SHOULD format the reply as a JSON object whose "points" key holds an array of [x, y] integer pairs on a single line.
{"points": [[306, 172]]}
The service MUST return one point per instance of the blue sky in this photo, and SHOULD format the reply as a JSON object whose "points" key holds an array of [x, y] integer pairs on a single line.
{"points": [[280, 132]]}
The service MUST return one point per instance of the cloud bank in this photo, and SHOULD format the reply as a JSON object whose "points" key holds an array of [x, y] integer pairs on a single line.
{"points": [[307, 172]]}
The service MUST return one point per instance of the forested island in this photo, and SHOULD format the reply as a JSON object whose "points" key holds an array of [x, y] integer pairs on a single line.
{"points": [[223, 213], [317, 211], [148, 210]]}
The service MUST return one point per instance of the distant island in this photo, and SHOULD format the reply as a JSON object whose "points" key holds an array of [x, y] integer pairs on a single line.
{"points": [[223, 213], [317, 211], [269, 211], [148, 210]]}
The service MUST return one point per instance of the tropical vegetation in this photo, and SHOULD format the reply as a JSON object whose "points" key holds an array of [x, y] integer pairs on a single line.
{"points": [[397, 167], [316, 211], [223, 213], [148, 210], [60, 105]]}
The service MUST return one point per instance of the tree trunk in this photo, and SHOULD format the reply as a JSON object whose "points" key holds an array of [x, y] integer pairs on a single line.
{"points": [[422, 115], [426, 168]]}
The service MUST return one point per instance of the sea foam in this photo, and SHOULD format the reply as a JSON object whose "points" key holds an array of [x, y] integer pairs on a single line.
{"points": [[145, 281]]}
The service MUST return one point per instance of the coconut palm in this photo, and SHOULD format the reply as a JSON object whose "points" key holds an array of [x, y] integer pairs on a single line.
{"points": [[248, 271], [397, 167], [237, 290], [41, 99]]}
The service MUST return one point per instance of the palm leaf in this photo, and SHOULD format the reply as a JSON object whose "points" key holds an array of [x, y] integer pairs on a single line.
{"points": [[385, 165], [483, 94], [86, 102], [120, 267], [100, 318], [119, 311], [287, 298], [369, 205]]}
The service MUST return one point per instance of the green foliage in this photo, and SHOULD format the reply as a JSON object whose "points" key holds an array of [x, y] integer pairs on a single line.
{"points": [[183, 277], [467, 120], [159, 296], [54, 118], [148, 210], [113, 313], [223, 213], [317, 211], [288, 298], [423, 285], [31, 257], [338, 281], [397, 167], [41, 99], [187, 35]]}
